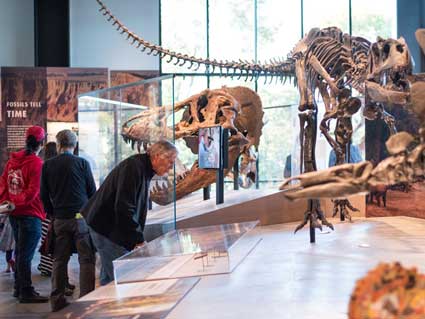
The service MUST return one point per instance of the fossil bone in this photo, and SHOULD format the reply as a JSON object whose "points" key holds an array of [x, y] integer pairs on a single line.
{"points": [[239, 109]]}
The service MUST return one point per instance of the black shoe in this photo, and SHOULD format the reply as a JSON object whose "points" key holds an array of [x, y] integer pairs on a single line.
{"points": [[16, 292], [32, 297], [60, 304], [68, 292]]}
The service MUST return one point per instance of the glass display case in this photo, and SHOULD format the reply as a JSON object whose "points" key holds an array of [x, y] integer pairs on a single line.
{"points": [[151, 109], [106, 115], [188, 252]]}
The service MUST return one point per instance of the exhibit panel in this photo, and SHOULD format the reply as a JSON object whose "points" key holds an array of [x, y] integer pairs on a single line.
{"points": [[45, 96], [188, 252]]}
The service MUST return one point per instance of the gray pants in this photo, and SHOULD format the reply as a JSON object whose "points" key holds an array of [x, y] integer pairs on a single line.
{"points": [[108, 251], [71, 234]]}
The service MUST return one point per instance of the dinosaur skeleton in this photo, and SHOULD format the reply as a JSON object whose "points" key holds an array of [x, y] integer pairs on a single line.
{"points": [[238, 109], [406, 163], [327, 61]]}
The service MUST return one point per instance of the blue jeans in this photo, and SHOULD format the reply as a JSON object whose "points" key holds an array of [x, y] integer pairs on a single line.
{"points": [[108, 252], [27, 233]]}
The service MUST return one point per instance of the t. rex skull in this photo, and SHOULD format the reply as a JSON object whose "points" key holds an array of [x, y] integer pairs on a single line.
{"points": [[389, 65], [238, 109]]}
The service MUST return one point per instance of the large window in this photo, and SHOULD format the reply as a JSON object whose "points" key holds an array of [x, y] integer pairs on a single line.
{"points": [[260, 30]]}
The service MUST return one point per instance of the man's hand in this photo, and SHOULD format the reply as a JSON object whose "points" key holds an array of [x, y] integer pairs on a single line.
{"points": [[6, 207], [139, 245]]}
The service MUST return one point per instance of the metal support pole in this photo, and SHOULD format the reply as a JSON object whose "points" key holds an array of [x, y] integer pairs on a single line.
{"points": [[207, 192], [219, 186], [257, 179], [236, 175], [312, 229]]}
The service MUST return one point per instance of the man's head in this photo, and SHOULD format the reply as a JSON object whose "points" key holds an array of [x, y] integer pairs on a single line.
{"points": [[66, 141], [162, 155]]}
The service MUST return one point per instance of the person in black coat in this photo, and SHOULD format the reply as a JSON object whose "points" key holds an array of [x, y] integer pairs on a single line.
{"points": [[66, 185], [116, 214]]}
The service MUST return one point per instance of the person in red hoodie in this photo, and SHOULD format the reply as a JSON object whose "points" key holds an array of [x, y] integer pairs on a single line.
{"points": [[20, 185]]}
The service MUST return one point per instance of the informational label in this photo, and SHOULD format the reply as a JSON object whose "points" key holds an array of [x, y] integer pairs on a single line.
{"points": [[23, 101], [16, 136]]}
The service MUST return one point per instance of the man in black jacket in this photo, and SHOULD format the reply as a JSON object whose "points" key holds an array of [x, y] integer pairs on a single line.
{"points": [[116, 214], [66, 185]]}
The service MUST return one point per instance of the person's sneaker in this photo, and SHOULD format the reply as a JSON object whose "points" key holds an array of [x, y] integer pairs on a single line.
{"points": [[32, 297], [46, 274], [60, 304]]}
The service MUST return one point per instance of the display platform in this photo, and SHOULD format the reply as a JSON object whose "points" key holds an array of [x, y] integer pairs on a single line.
{"points": [[187, 253], [287, 278], [266, 205]]}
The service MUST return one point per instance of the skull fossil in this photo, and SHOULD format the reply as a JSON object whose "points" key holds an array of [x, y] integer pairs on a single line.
{"points": [[238, 109], [389, 65]]}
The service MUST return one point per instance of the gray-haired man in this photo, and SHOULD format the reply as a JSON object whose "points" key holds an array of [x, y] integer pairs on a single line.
{"points": [[66, 185], [116, 214]]}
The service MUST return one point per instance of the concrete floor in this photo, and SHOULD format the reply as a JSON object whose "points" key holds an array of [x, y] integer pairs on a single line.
{"points": [[284, 276], [10, 308]]}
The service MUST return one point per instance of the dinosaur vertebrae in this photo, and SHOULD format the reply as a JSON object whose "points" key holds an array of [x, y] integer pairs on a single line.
{"points": [[250, 70]]}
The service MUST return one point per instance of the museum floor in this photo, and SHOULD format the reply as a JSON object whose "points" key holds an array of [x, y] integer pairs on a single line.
{"points": [[284, 276]]}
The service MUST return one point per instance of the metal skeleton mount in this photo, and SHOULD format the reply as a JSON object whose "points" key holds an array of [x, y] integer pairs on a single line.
{"points": [[326, 61], [238, 109], [406, 163], [346, 107]]}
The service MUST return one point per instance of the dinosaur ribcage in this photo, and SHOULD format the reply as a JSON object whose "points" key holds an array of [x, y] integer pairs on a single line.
{"points": [[345, 63]]}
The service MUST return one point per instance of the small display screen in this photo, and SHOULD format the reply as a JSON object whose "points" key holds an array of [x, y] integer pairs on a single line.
{"points": [[209, 147]]}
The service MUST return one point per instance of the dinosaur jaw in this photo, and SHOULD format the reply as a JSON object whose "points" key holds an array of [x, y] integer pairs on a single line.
{"points": [[386, 95], [190, 180], [335, 182]]}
